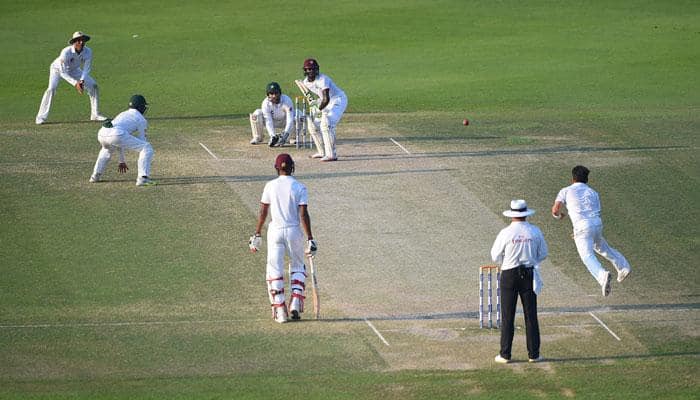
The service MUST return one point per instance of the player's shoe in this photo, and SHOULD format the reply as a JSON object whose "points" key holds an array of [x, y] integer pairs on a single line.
{"points": [[283, 139], [95, 178], [501, 360], [317, 155], [145, 181], [98, 117], [606, 286], [296, 307], [622, 274], [254, 141], [535, 360], [39, 121], [279, 313], [329, 159]]}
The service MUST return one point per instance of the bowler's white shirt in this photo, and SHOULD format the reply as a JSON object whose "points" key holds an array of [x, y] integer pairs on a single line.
{"points": [[583, 204], [322, 82], [278, 112], [74, 66], [284, 195], [517, 244]]}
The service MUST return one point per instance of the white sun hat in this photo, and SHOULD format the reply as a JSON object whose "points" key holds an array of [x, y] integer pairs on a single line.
{"points": [[518, 209], [77, 35]]}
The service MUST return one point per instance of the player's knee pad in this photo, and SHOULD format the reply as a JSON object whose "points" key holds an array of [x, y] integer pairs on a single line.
{"points": [[275, 288]]}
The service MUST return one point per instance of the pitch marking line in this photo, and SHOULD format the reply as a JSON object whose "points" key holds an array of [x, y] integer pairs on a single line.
{"points": [[377, 332], [399, 144], [604, 326], [209, 151]]}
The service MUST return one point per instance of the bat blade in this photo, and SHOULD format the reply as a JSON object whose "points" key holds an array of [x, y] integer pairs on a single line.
{"points": [[314, 289]]}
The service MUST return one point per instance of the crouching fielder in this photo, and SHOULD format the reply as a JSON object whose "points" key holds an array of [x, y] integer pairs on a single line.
{"points": [[276, 111], [286, 200], [116, 135], [331, 105]]}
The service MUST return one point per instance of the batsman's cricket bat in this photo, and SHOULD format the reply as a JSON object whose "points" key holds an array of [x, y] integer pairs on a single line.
{"points": [[314, 288], [304, 90]]}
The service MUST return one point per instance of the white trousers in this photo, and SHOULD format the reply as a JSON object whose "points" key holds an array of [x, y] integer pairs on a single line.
{"points": [[112, 140], [281, 241], [589, 240], [257, 123], [330, 117], [54, 78]]}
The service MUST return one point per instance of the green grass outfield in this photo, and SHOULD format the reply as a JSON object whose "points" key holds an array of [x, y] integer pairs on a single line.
{"points": [[109, 291]]}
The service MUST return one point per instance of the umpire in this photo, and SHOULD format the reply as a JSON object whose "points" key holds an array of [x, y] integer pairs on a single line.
{"points": [[519, 248]]}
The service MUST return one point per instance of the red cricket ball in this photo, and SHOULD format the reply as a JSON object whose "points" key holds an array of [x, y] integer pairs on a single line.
{"points": [[465, 122]]}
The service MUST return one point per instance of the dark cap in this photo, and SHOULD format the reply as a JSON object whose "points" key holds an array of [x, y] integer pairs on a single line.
{"points": [[310, 63], [273, 87], [284, 161]]}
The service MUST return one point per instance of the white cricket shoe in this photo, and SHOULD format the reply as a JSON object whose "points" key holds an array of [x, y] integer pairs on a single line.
{"points": [[501, 360], [622, 274], [254, 141], [317, 155], [535, 360], [329, 159], [296, 308], [145, 181], [606, 286], [39, 121], [98, 117], [95, 178], [280, 314]]}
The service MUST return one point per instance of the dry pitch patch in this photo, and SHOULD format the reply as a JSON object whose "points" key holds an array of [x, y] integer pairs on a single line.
{"points": [[402, 228]]}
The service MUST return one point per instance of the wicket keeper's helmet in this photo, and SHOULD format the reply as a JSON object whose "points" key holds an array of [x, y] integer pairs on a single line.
{"points": [[273, 87], [138, 102], [310, 63]]}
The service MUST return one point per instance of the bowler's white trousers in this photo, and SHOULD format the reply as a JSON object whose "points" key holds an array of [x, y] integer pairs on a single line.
{"points": [[589, 240]]}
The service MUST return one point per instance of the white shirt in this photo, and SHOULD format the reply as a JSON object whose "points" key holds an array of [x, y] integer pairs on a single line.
{"points": [[517, 244], [284, 195], [278, 112], [583, 204], [127, 122], [74, 66], [321, 83]]}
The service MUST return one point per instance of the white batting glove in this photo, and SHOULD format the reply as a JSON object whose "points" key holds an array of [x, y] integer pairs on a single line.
{"points": [[311, 247], [315, 112], [255, 243]]}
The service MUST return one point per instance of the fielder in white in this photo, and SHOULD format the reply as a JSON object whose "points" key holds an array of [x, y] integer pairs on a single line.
{"points": [[73, 65], [276, 111], [583, 204], [331, 104], [286, 200], [116, 135]]}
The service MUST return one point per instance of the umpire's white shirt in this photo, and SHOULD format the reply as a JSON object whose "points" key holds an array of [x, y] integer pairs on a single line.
{"points": [[517, 244], [73, 66], [583, 204], [284, 195]]}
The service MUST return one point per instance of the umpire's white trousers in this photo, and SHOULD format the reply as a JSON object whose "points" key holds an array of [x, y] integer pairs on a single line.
{"points": [[54, 78], [112, 140], [589, 240]]}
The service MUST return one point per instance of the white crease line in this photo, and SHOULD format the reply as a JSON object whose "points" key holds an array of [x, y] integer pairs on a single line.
{"points": [[399, 144], [377, 332], [605, 326], [209, 151]]}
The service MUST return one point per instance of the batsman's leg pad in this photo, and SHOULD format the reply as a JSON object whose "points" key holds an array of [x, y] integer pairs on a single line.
{"points": [[257, 125], [275, 288], [328, 132], [315, 136]]}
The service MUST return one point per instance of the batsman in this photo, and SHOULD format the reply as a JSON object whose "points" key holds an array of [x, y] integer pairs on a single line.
{"points": [[286, 201]]}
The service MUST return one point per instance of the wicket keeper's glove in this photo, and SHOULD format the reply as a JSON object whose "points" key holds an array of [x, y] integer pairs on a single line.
{"points": [[311, 247], [254, 243]]}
